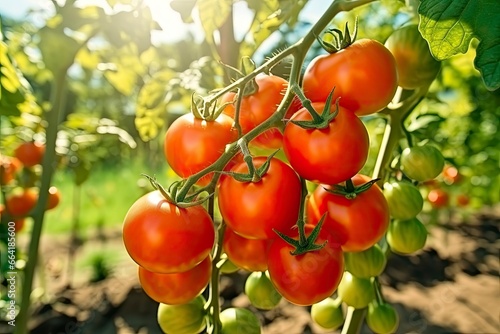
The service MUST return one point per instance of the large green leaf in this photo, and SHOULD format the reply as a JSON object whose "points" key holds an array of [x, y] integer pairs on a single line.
{"points": [[213, 14], [450, 25]]}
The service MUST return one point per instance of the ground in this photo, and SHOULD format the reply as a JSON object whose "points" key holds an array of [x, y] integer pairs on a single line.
{"points": [[452, 286]]}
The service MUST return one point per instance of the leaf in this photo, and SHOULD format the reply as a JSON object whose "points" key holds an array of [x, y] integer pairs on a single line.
{"points": [[450, 25], [185, 8], [213, 14]]}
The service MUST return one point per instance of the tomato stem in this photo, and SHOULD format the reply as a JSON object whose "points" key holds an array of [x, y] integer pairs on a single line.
{"points": [[353, 321], [213, 304], [301, 221]]}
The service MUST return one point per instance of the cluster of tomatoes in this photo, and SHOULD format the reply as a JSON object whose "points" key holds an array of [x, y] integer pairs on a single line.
{"points": [[299, 246], [18, 174]]}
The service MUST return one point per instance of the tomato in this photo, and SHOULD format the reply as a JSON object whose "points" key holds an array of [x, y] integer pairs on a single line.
{"points": [[438, 198], [254, 209], [19, 224], [239, 321], [249, 254], [356, 292], [366, 264], [228, 267], [330, 155], [463, 200], [405, 200], [187, 318], [192, 144], [382, 318], [363, 74], [258, 107], [297, 277], [422, 163], [261, 292], [406, 236], [451, 174], [177, 288], [164, 238], [54, 198], [21, 202], [30, 153], [9, 166], [328, 313], [416, 66], [357, 223]]}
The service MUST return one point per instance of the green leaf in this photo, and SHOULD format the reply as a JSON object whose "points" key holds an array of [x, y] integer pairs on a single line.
{"points": [[185, 8], [450, 25], [213, 14]]}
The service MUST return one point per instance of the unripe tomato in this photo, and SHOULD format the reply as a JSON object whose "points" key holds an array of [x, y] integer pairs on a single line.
{"points": [[30, 153], [363, 74], [186, 318], [249, 254], [261, 292], [239, 321], [406, 236], [164, 238], [438, 198], [177, 288], [416, 66], [54, 198], [404, 199], [366, 264], [228, 267], [328, 313], [21, 202], [382, 318], [354, 291], [422, 163]]}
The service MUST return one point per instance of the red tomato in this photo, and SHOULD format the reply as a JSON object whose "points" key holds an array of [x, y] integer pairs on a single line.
{"points": [[364, 76], [30, 153], [54, 198], [463, 200], [254, 209], [192, 144], [451, 174], [258, 107], [438, 198], [249, 254], [330, 155], [21, 202], [307, 278], [357, 223], [178, 288], [163, 238], [9, 166]]}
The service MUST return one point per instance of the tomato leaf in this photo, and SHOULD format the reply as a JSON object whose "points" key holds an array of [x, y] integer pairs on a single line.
{"points": [[213, 14], [450, 25]]}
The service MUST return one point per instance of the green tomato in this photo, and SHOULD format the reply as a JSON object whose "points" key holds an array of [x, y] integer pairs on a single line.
{"points": [[228, 267], [261, 291], [415, 65], [354, 291], [366, 264], [404, 199], [328, 313], [183, 319], [422, 163], [406, 236], [382, 318], [239, 321]]}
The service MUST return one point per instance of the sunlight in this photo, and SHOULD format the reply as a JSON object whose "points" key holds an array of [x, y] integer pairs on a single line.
{"points": [[174, 29]]}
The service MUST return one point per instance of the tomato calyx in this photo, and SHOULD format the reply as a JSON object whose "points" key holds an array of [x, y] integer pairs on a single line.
{"points": [[206, 109], [338, 40], [318, 121], [254, 174], [349, 190], [304, 244]]}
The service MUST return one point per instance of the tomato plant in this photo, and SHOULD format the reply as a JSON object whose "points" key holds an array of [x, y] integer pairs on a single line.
{"points": [[186, 318], [406, 236], [249, 254], [21, 202], [164, 238], [261, 292], [30, 153], [328, 155]]}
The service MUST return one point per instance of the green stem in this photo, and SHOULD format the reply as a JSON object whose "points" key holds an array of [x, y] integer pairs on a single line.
{"points": [[301, 219], [353, 321], [49, 165], [213, 300]]}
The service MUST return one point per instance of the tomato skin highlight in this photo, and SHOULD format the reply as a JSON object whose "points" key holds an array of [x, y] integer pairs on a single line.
{"points": [[177, 288], [308, 278], [30, 153], [331, 155], [249, 254], [254, 209], [357, 223], [164, 238], [192, 144], [363, 74]]}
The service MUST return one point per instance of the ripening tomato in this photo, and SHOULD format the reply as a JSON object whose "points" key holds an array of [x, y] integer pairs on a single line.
{"points": [[255, 209], [258, 107], [30, 153], [363, 74], [9, 166], [310, 277], [261, 291], [249, 254], [463, 200], [358, 223], [192, 144], [382, 318], [422, 163], [164, 238], [366, 264], [189, 318], [328, 313], [356, 292], [177, 288], [438, 198], [21, 202], [405, 200], [406, 236], [236, 320], [330, 155], [54, 198], [19, 224]]}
